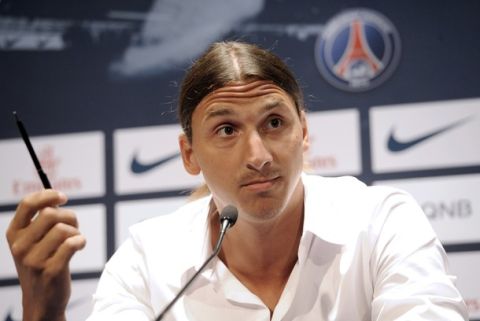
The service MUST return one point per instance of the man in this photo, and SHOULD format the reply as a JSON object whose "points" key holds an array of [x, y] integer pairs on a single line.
{"points": [[303, 248]]}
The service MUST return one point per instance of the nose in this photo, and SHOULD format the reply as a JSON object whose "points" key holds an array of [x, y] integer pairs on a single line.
{"points": [[258, 156]]}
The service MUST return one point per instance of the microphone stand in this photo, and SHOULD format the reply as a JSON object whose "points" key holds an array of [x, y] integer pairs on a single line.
{"points": [[228, 217]]}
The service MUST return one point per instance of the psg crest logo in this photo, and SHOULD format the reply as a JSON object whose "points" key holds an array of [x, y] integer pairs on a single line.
{"points": [[358, 50]]}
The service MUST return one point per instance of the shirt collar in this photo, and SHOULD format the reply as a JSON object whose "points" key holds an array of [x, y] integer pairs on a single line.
{"points": [[201, 234], [327, 216]]}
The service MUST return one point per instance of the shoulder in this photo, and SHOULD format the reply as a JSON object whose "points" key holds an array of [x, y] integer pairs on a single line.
{"points": [[172, 226], [331, 185], [344, 207], [350, 193]]}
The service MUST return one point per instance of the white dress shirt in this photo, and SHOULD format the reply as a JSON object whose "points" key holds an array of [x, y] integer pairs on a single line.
{"points": [[366, 253]]}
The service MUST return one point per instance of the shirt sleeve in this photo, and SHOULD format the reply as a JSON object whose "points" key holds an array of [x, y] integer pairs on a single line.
{"points": [[122, 292], [410, 267]]}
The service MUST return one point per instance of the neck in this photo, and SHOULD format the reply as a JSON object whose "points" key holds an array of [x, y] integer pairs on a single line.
{"points": [[262, 254], [257, 249]]}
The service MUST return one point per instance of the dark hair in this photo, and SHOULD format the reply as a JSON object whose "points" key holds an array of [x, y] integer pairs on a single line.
{"points": [[225, 62]]}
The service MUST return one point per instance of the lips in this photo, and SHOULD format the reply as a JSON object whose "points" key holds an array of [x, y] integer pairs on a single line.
{"points": [[260, 184]]}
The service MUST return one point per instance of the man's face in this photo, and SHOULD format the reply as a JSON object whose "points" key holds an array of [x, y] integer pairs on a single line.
{"points": [[248, 141]]}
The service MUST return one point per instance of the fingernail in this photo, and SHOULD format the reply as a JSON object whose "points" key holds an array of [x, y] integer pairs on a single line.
{"points": [[62, 196]]}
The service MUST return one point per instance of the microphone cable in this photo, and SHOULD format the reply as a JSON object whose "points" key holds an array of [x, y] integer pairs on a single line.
{"points": [[228, 217]]}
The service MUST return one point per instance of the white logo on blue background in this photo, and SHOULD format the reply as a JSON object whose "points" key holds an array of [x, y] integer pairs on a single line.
{"points": [[358, 50]]}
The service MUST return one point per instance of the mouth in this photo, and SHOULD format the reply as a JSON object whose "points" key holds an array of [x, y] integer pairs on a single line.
{"points": [[261, 184]]}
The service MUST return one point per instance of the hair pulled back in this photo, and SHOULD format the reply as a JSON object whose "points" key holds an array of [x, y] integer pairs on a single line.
{"points": [[226, 62]]}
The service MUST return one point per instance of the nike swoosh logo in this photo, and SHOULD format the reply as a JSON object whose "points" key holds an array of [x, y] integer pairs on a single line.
{"points": [[138, 167], [395, 145]]}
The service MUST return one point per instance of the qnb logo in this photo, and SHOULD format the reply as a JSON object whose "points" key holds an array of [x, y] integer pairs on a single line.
{"points": [[358, 50], [455, 209]]}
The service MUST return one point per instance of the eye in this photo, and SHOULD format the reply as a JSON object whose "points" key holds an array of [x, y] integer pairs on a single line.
{"points": [[274, 122], [226, 130]]}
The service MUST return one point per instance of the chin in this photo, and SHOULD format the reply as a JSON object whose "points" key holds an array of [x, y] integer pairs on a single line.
{"points": [[263, 213]]}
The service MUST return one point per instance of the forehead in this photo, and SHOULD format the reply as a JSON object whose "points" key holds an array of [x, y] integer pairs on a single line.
{"points": [[265, 92]]}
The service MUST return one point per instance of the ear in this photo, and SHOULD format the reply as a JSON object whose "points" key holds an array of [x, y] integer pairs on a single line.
{"points": [[188, 157], [306, 141]]}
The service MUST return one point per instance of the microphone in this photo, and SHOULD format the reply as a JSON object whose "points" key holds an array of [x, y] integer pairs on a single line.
{"points": [[228, 217]]}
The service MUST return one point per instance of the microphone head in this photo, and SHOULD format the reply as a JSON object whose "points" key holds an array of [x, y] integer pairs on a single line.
{"points": [[229, 213]]}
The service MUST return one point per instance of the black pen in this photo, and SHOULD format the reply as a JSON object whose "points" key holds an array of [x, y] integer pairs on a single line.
{"points": [[41, 173]]}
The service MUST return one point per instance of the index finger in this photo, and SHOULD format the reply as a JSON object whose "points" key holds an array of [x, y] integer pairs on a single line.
{"points": [[30, 205]]}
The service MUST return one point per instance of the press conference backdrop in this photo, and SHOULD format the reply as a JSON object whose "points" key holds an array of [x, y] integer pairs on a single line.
{"points": [[391, 88]]}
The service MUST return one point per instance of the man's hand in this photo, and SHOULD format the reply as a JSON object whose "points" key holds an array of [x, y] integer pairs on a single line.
{"points": [[42, 246]]}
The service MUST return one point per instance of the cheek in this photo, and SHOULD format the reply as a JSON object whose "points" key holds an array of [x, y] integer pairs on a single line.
{"points": [[220, 181], [216, 168], [293, 145], [291, 151]]}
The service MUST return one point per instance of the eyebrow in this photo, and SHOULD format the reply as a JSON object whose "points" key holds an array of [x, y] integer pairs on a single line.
{"points": [[274, 104], [221, 111], [224, 111]]}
